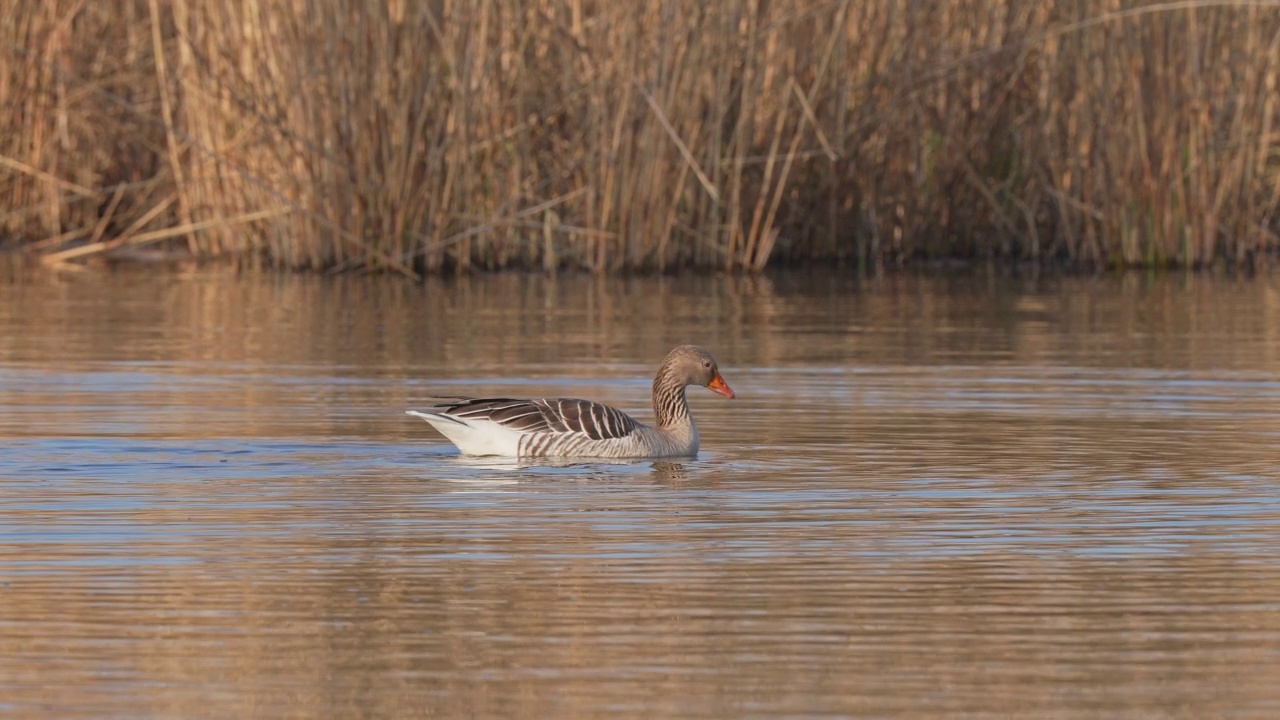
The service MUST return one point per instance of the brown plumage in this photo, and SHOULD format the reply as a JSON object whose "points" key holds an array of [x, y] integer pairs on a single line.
{"points": [[567, 427], [553, 415]]}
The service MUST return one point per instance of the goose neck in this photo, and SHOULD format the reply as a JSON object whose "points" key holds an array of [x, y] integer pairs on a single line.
{"points": [[669, 405]]}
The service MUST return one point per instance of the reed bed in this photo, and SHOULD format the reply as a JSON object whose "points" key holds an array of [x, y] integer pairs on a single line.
{"points": [[414, 137]]}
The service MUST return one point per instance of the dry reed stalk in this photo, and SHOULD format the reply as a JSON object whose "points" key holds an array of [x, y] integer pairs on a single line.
{"points": [[96, 248], [48, 178], [459, 134]]}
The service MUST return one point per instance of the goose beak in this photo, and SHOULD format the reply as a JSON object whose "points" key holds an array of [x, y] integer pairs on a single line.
{"points": [[718, 385]]}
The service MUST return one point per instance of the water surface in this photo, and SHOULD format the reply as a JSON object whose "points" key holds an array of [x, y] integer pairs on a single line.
{"points": [[972, 496]]}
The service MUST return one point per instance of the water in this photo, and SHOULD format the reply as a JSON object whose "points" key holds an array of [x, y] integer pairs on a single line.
{"points": [[970, 496]]}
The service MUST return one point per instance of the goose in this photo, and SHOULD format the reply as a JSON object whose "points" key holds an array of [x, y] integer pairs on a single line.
{"points": [[567, 427]]}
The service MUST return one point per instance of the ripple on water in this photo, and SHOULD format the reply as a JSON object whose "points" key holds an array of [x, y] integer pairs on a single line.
{"points": [[926, 502]]}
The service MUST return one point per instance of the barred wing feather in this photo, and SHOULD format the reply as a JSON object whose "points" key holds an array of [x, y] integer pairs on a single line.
{"points": [[551, 415]]}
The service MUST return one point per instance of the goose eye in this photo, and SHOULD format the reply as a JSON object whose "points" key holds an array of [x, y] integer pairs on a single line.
{"points": [[706, 364]]}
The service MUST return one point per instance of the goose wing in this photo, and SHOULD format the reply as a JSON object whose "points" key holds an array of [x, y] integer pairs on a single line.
{"points": [[596, 421]]}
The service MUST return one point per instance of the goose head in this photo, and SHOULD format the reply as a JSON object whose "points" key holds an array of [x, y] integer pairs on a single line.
{"points": [[691, 365]]}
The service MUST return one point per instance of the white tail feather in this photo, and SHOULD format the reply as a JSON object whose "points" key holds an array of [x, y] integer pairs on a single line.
{"points": [[474, 437]]}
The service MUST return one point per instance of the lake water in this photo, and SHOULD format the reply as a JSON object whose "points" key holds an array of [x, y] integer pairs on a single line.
{"points": [[971, 496]]}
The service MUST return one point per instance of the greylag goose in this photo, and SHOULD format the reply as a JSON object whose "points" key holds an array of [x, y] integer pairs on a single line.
{"points": [[565, 427]]}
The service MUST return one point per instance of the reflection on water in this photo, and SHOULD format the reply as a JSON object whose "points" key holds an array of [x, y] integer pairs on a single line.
{"points": [[976, 496]]}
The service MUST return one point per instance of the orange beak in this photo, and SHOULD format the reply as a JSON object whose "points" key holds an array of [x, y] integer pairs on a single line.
{"points": [[718, 385]]}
